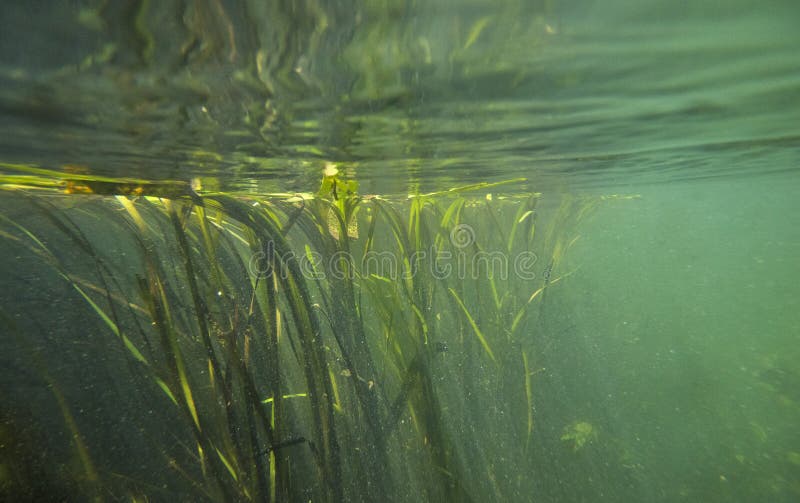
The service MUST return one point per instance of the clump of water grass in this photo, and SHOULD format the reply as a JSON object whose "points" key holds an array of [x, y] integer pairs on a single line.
{"points": [[291, 366]]}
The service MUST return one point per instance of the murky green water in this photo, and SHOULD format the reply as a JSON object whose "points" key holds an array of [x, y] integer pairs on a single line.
{"points": [[656, 356]]}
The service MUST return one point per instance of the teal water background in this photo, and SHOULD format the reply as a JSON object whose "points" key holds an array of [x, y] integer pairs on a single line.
{"points": [[686, 307]]}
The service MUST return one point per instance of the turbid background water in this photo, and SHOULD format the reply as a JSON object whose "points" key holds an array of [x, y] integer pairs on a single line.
{"points": [[686, 308]]}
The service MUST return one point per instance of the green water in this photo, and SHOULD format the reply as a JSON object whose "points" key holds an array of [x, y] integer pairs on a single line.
{"points": [[688, 311], [671, 327]]}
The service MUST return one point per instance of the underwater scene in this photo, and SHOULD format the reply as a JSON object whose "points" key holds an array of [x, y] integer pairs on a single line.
{"points": [[394, 250]]}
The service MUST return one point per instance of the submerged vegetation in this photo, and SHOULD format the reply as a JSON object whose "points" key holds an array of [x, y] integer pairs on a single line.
{"points": [[322, 347]]}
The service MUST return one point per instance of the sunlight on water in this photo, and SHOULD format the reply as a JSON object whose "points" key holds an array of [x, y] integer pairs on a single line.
{"points": [[406, 97]]}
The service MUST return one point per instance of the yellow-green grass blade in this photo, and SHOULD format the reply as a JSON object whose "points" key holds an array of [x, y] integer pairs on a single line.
{"points": [[467, 188], [528, 396], [524, 309], [474, 325], [113, 326]]}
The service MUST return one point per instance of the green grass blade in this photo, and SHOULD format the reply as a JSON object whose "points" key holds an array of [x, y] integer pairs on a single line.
{"points": [[474, 325]]}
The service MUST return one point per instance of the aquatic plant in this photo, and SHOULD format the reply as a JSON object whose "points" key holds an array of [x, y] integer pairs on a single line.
{"points": [[290, 365]]}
